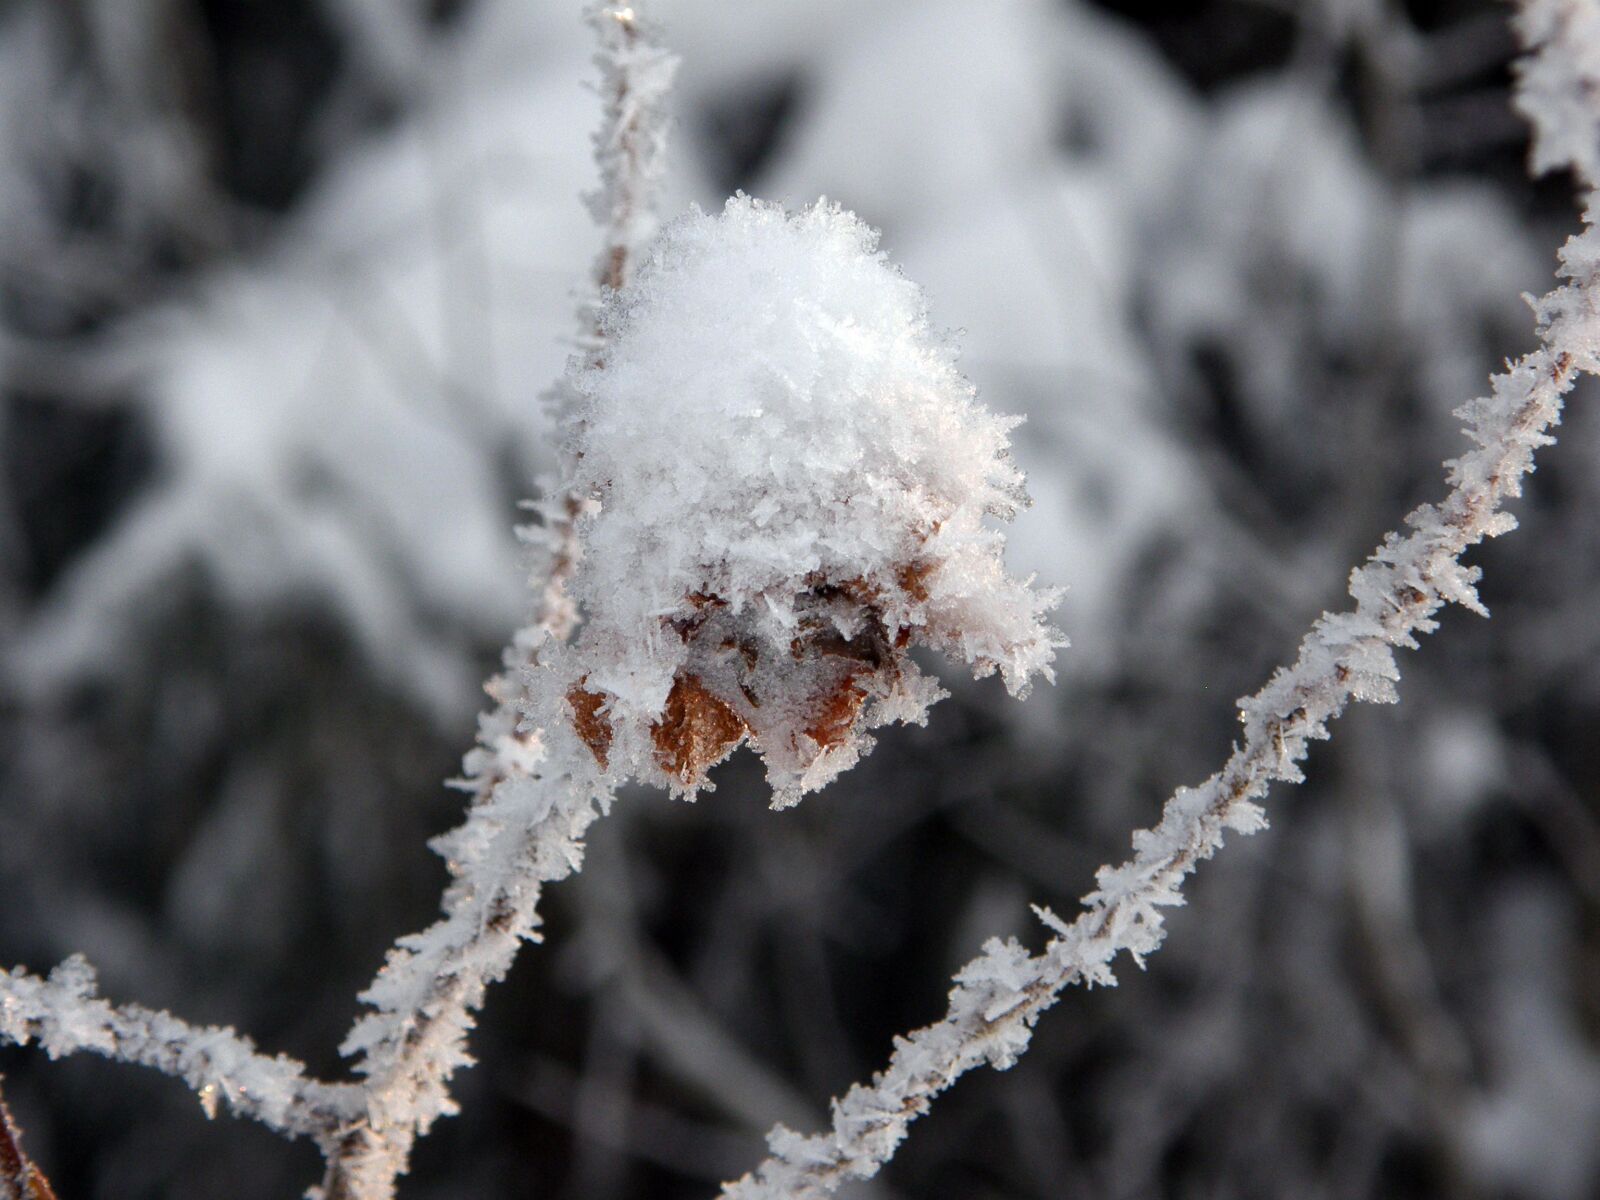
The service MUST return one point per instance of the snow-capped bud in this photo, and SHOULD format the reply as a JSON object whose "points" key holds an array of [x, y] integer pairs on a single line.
{"points": [[794, 486]]}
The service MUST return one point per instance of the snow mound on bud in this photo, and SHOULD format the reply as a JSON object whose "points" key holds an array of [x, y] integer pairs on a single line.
{"points": [[792, 482]]}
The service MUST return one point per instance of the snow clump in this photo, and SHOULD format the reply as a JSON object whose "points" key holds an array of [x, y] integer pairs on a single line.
{"points": [[789, 484]]}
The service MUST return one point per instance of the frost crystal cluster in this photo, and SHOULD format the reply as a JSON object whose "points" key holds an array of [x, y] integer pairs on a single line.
{"points": [[791, 484]]}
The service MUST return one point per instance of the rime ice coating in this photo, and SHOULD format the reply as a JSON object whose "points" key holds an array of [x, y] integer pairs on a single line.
{"points": [[793, 482]]}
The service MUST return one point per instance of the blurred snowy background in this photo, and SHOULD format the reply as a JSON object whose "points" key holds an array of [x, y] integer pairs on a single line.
{"points": [[280, 284]]}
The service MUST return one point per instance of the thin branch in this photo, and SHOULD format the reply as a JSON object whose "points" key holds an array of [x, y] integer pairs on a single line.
{"points": [[528, 833], [65, 1015], [1347, 656], [531, 800], [630, 149]]}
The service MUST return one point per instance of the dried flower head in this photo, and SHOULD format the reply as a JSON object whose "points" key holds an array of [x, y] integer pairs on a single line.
{"points": [[793, 486]]}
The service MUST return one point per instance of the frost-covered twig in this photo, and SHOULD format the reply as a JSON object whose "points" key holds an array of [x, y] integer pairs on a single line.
{"points": [[532, 799], [1347, 656], [527, 833], [630, 146], [630, 149], [65, 1015]]}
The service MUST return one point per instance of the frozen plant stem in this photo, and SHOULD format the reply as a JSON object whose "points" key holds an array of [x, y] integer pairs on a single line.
{"points": [[629, 147], [527, 816], [65, 1015], [1347, 656]]}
